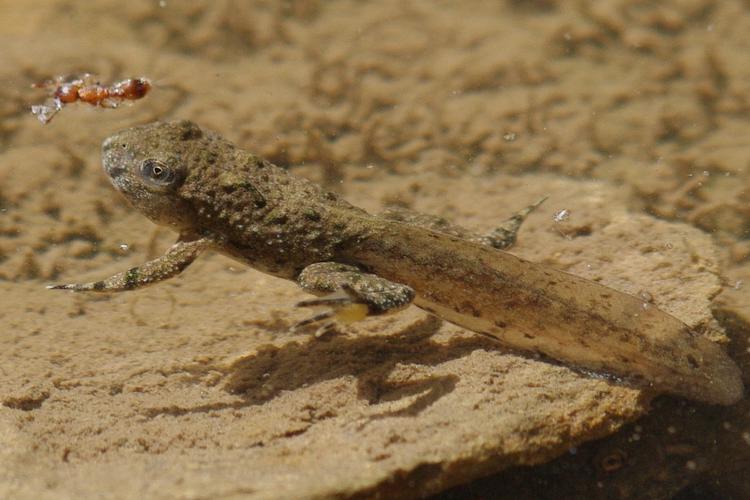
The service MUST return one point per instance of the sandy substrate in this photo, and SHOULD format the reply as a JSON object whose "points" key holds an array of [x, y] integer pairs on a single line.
{"points": [[631, 117]]}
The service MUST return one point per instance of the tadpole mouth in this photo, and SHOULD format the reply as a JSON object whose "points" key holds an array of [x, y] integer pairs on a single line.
{"points": [[114, 170], [115, 155]]}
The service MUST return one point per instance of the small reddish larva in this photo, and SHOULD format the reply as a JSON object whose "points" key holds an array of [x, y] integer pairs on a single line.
{"points": [[85, 88]]}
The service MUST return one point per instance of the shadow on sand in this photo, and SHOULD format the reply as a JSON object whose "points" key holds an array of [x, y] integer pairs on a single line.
{"points": [[271, 370]]}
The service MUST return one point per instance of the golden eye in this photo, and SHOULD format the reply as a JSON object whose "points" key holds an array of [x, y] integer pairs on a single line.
{"points": [[158, 173]]}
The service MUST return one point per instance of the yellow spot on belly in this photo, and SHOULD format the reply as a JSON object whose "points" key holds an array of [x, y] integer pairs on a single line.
{"points": [[352, 313]]}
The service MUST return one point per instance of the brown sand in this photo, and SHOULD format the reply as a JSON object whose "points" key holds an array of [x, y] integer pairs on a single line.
{"points": [[620, 111]]}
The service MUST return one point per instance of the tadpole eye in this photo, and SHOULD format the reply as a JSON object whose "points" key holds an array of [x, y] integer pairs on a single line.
{"points": [[159, 173]]}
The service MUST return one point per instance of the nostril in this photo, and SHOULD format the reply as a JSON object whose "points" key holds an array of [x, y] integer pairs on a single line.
{"points": [[111, 144]]}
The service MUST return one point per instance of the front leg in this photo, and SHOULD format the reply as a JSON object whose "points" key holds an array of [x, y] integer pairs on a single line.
{"points": [[349, 294], [178, 257]]}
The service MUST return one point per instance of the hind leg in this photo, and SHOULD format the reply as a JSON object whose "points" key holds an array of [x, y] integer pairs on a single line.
{"points": [[502, 237]]}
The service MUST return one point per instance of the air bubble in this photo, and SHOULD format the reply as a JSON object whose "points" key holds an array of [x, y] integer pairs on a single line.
{"points": [[561, 215]]}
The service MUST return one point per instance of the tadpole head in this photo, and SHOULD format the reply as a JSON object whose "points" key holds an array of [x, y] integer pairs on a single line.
{"points": [[149, 165]]}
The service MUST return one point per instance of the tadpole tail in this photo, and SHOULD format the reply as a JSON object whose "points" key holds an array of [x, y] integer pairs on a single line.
{"points": [[535, 308]]}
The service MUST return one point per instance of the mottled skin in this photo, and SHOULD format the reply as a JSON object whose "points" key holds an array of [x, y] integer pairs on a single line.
{"points": [[220, 197]]}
